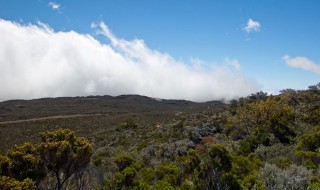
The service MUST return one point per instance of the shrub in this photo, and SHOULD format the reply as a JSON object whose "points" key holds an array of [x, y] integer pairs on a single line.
{"points": [[309, 149], [163, 185], [270, 153], [168, 172], [123, 161], [147, 175], [25, 163], [294, 177], [128, 124], [188, 185], [10, 183]]}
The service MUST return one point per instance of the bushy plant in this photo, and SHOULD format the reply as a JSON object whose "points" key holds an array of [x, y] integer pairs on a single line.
{"points": [[11, 183], [123, 161], [26, 163], [168, 172], [163, 185], [309, 149], [278, 154], [294, 177]]}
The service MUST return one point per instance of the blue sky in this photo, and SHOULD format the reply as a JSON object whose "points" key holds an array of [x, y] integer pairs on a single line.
{"points": [[207, 32]]}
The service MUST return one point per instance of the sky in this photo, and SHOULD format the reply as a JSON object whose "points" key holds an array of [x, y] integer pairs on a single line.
{"points": [[193, 50]]}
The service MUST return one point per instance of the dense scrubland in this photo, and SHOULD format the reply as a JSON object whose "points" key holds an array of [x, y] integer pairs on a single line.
{"points": [[135, 142]]}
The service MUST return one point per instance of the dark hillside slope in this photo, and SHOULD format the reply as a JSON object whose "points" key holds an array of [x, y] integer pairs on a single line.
{"points": [[45, 107], [22, 120]]}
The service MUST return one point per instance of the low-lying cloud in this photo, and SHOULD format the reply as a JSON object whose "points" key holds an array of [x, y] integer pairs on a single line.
{"points": [[302, 63], [36, 61]]}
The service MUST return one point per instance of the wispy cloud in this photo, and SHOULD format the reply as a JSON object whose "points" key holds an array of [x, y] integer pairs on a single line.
{"points": [[302, 63], [252, 26], [232, 62], [37, 61], [54, 6]]}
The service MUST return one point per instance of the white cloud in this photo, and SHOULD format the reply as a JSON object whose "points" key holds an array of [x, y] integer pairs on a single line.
{"points": [[302, 63], [36, 61], [54, 6], [252, 26], [197, 64], [232, 62]]}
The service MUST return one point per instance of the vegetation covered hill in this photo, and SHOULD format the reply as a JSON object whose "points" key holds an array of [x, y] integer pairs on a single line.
{"points": [[22, 120], [256, 142]]}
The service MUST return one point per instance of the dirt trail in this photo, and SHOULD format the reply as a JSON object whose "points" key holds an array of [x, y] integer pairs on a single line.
{"points": [[49, 117]]}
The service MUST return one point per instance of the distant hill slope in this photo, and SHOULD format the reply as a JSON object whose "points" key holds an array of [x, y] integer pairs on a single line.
{"points": [[22, 120], [29, 109]]}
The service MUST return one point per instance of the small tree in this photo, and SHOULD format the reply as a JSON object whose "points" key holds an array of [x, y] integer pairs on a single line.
{"points": [[64, 154]]}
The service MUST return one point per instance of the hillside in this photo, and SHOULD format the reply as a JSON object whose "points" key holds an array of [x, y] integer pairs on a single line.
{"points": [[256, 142], [22, 120]]}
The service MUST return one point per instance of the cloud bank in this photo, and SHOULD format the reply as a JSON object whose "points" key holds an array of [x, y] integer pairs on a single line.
{"points": [[252, 26], [302, 63], [36, 62]]}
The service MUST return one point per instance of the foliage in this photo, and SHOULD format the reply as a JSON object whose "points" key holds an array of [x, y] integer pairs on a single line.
{"points": [[262, 122], [189, 162], [256, 142], [123, 161], [60, 152], [11, 183], [64, 154], [272, 154], [168, 173], [294, 177], [188, 185], [212, 173], [163, 185], [26, 163], [126, 125], [246, 170], [308, 149], [5, 164]]}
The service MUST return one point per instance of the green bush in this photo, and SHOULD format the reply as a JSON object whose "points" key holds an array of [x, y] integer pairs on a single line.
{"points": [[188, 185], [128, 124], [168, 172], [163, 185], [294, 177], [148, 175], [308, 149], [10, 183], [123, 161]]}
